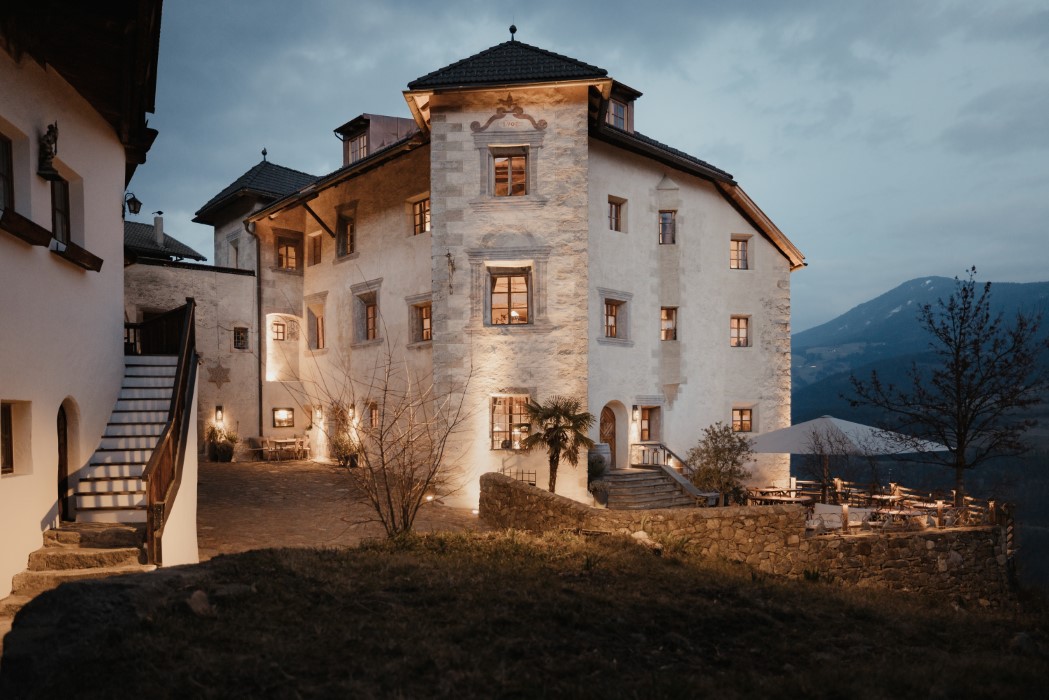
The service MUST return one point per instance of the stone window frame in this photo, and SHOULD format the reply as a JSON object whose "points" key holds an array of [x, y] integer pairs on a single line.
{"points": [[622, 300], [656, 402], [509, 274], [346, 242], [240, 339], [514, 395], [315, 305], [286, 237], [617, 209], [667, 226], [365, 295], [415, 304], [483, 260], [491, 143]]}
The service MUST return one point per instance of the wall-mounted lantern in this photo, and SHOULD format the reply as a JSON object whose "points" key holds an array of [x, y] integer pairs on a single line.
{"points": [[219, 416], [131, 204], [635, 413]]}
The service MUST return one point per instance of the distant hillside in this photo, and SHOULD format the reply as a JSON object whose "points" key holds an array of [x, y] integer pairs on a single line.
{"points": [[886, 327]]}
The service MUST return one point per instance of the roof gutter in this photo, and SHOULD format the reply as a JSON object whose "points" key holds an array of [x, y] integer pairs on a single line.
{"points": [[628, 143]]}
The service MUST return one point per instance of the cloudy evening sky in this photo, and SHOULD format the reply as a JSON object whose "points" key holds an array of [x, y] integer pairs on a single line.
{"points": [[889, 139]]}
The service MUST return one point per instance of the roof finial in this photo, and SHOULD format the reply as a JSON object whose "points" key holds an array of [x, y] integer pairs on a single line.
{"points": [[513, 30], [264, 153]]}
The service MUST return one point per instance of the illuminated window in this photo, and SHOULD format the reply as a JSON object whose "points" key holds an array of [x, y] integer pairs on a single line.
{"points": [[509, 172], [510, 295], [616, 115], [667, 226], [742, 420], [668, 323], [60, 210], [739, 332], [7, 174], [615, 213], [280, 330], [421, 216], [289, 253], [358, 147], [314, 246], [649, 423], [424, 322], [345, 236], [612, 308], [373, 415], [510, 423], [366, 315], [284, 418], [240, 338], [737, 259]]}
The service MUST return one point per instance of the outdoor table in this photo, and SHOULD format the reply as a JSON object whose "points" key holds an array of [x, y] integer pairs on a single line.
{"points": [[281, 444]]}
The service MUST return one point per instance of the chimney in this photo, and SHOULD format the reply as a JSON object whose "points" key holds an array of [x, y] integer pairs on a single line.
{"points": [[158, 230]]}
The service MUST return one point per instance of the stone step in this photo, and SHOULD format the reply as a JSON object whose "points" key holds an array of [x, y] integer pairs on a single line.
{"points": [[651, 506], [62, 558], [134, 429], [137, 393], [33, 583], [128, 442], [10, 605], [150, 405], [148, 382], [98, 535], [109, 485], [115, 469], [118, 456], [117, 499], [121, 417], [149, 370], [139, 360], [112, 515]]}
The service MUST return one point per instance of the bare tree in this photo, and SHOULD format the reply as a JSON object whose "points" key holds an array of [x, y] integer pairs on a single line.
{"points": [[393, 427], [972, 399], [717, 462]]}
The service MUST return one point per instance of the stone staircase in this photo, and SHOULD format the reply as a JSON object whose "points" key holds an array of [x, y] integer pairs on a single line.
{"points": [[641, 489], [111, 488], [74, 552]]}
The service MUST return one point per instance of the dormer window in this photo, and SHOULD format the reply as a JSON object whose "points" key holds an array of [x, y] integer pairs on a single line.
{"points": [[617, 114], [358, 147]]}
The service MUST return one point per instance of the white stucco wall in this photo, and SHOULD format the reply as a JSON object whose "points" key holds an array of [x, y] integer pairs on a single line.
{"points": [[698, 379], [225, 300], [180, 530], [63, 325]]}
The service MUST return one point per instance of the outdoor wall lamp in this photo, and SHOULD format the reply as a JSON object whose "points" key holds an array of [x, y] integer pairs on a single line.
{"points": [[634, 412], [218, 415], [318, 414], [132, 203]]}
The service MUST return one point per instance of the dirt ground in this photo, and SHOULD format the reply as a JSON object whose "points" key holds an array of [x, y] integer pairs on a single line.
{"points": [[254, 505]]}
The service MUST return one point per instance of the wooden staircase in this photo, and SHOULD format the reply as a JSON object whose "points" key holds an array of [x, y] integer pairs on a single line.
{"points": [[641, 489], [112, 489]]}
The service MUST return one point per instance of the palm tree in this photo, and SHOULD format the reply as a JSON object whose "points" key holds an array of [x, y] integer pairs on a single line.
{"points": [[561, 427]]}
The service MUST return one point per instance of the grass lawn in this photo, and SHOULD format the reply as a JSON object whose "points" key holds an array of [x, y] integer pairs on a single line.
{"points": [[508, 615]]}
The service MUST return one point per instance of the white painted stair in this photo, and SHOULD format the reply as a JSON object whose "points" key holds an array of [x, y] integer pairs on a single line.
{"points": [[111, 489]]}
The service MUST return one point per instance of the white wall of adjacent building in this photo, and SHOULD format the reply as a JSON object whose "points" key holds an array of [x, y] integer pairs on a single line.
{"points": [[61, 341]]}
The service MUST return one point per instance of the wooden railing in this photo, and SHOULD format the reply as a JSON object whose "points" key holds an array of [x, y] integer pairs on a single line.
{"points": [[163, 473]]}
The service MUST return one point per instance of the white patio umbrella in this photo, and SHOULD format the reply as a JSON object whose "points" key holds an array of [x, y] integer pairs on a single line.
{"points": [[853, 438], [828, 435]]}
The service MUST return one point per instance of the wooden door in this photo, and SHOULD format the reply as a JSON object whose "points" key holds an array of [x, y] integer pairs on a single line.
{"points": [[65, 504], [608, 433]]}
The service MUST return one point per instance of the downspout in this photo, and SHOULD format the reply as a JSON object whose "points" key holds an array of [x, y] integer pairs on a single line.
{"points": [[249, 227]]}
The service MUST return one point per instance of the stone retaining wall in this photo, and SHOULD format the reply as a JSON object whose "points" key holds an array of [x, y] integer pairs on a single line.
{"points": [[967, 563]]}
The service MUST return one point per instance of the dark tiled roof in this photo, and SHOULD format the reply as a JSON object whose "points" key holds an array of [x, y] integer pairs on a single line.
{"points": [[675, 152], [139, 239], [266, 179], [509, 62]]}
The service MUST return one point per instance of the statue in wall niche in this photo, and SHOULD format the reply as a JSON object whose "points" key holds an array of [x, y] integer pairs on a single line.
{"points": [[48, 151]]}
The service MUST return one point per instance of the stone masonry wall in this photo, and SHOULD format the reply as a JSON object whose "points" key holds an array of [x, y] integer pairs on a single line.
{"points": [[969, 563]]}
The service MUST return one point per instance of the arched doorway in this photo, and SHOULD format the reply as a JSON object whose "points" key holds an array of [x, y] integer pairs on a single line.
{"points": [[66, 504], [608, 432]]}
